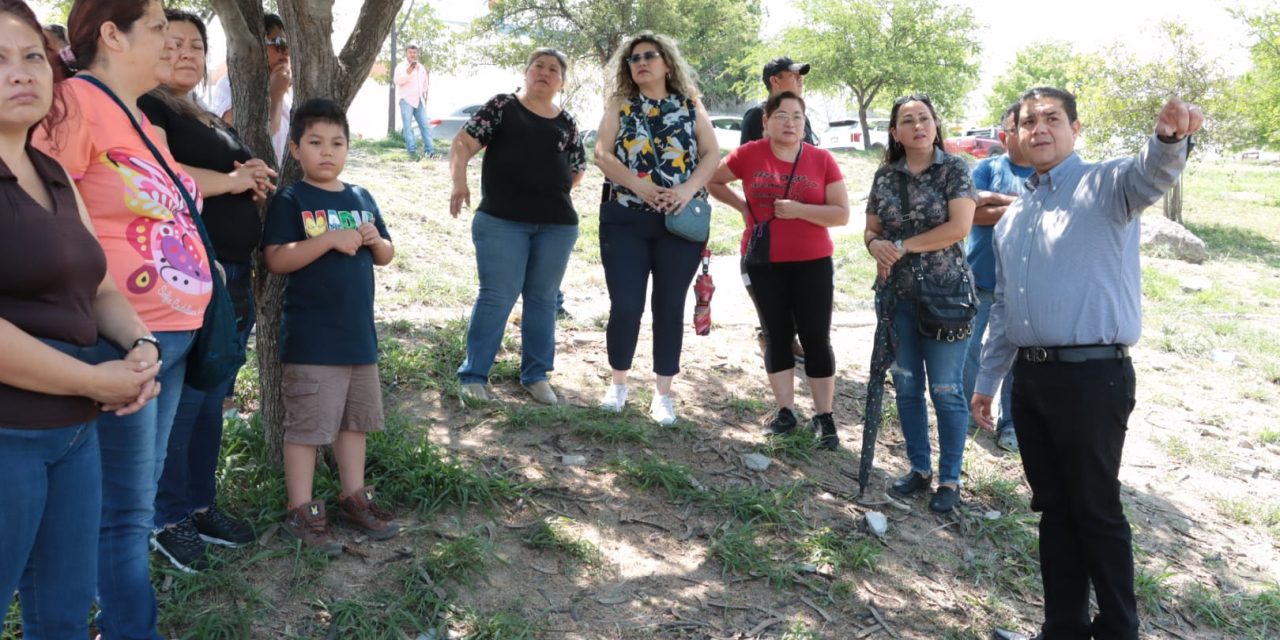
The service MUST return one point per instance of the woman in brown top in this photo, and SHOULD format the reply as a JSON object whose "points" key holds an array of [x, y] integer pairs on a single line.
{"points": [[55, 300]]}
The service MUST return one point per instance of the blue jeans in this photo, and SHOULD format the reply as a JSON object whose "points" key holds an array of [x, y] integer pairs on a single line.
{"points": [[133, 452], [516, 259], [189, 480], [943, 363], [408, 115], [973, 361], [52, 481]]}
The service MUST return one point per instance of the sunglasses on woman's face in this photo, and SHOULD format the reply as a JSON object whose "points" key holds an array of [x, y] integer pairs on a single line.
{"points": [[635, 58], [279, 42]]}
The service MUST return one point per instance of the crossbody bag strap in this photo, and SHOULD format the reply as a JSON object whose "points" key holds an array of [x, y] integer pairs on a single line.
{"points": [[786, 191], [193, 211], [905, 198]]}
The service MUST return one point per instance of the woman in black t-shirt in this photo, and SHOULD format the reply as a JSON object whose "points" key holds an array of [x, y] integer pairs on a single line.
{"points": [[525, 226], [231, 179]]}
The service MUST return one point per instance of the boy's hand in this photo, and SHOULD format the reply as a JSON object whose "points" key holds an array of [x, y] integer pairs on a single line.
{"points": [[347, 241], [369, 235]]}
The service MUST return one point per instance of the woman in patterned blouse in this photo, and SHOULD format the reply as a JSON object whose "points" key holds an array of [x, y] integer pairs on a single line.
{"points": [[657, 150], [525, 226], [918, 214]]}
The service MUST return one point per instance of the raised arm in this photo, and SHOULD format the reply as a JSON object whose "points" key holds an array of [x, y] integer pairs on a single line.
{"points": [[1159, 164]]}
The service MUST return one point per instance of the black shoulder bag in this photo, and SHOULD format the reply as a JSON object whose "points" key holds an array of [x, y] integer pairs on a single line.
{"points": [[944, 311], [759, 240], [216, 353]]}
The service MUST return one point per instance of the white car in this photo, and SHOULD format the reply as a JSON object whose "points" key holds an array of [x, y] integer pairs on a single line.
{"points": [[847, 134], [728, 131]]}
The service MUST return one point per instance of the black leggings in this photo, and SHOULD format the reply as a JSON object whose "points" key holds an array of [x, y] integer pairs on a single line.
{"points": [[634, 244], [795, 298]]}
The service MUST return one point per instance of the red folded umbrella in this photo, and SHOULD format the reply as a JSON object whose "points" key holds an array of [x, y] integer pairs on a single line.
{"points": [[703, 289]]}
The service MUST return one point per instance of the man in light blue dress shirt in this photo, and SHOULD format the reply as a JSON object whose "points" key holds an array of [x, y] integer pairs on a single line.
{"points": [[999, 181], [1067, 308]]}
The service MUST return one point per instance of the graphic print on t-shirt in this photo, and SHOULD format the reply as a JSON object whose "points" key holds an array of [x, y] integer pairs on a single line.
{"points": [[321, 221], [767, 186], [169, 244]]}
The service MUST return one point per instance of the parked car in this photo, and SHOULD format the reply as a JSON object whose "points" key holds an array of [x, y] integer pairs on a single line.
{"points": [[991, 132], [975, 146], [847, 134], [728, 131], [447, 127]]}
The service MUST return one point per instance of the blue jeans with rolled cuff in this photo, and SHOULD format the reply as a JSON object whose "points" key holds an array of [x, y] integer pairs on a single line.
{"points": [[942, 363]]}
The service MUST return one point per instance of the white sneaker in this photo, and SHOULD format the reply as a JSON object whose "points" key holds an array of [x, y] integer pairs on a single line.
{"points": [[661, 410], [615, 398]]}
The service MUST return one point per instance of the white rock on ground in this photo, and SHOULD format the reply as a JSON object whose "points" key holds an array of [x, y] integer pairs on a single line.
{"points": [[1164, 237], [757, 461], [878, 523], [573, 460]]}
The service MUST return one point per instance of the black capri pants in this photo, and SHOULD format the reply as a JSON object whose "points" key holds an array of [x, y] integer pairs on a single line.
{"points": [[795, 298], [633, 245]]}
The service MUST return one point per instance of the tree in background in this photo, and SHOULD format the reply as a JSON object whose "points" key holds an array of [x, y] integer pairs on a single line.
{"points": [[318, 72], [714, 35], [879, 50], [1052, 64], [1119, 94], [1257, 96]]}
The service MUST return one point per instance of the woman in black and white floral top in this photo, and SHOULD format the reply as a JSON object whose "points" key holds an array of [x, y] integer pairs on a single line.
{"points": [[918, 214], [525, 226], [657, 150]]}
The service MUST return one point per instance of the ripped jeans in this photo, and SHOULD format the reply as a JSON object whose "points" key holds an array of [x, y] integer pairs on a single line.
{"points": [[942, 364]]}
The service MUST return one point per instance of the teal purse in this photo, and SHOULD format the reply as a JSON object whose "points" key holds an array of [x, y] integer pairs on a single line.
{"points": [[693, 222]]}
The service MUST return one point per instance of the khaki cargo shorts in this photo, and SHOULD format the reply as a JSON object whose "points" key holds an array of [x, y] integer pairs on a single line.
{"points": [[321, 400]]}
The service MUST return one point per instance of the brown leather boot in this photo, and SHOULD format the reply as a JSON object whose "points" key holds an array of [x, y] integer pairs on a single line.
{"points": [[359, 510], [307, 523]]}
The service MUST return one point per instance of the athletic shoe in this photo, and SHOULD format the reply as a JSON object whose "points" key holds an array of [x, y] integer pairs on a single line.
{"points": [[615, 398], [783, 422], [824, 426], [661, 409], [216, 528], [542, 392], [181, 544]]}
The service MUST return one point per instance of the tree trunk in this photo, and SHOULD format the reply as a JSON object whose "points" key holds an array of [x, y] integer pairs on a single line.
{"points": [[1173, 202], [391, 84], [317, 73]]}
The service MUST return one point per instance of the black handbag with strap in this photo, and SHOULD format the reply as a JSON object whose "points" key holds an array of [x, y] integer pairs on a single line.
{"points": [[944, 310], [216, 352], [758, 242]]}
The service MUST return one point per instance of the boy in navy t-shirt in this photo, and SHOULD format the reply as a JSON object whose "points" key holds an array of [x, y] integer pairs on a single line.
{"points": [[327, 236]]}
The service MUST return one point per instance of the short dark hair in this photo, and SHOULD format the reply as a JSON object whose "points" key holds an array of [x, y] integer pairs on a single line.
{"points": [[774, 102], [313, 111], [272, 21], [1011, 112], [1067, 99], [412, 46]]}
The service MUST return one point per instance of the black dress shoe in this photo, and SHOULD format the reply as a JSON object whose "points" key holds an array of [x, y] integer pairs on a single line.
{"points": [[911, 483], [944, 499]]}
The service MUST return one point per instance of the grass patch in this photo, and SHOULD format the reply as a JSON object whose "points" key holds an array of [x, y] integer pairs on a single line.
{"points": [[1013, 562], [1252, 512], [410, 471], [996, 487], [219, 605], [798, 446], [1253, 616], [1152, 589], [555, 535], [651, 472], [740, 551], [841, 550], [1268, 435], [754, 504], [599, 425]]}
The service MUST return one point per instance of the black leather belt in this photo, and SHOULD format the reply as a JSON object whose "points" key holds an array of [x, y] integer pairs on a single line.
{"points": [[1073, 354]]}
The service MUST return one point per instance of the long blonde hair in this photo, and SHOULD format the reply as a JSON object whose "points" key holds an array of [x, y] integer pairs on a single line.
{"points": [[680, 77]]}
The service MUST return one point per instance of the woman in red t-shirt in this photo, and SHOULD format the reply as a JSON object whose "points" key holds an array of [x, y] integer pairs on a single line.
{"points": [[797, 190]]}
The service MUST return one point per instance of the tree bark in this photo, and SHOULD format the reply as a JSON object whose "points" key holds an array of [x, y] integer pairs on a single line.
{"points": [[317, 73], [1173, 202]]}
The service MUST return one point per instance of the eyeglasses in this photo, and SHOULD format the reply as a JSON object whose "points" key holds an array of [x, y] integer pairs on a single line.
{"points": [[916, 97], [279, 42], [635, 58], [784, 118]]}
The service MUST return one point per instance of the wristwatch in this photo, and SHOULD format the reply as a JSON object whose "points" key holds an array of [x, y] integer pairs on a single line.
{"points": [[897, 244], [151, 340]]}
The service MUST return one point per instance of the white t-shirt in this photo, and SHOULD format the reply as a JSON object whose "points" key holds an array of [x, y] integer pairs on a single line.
{"points": [[220, 103]]}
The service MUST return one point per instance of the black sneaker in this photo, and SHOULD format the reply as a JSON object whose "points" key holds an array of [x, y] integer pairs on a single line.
{"points": [[824, 426], [216, 528], [182, 545], [944, 499], [783, 422]]}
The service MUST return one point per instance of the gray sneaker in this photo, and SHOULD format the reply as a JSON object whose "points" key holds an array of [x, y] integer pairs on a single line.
{"points": [[542, 392], [1007, 439], [474, 391]]}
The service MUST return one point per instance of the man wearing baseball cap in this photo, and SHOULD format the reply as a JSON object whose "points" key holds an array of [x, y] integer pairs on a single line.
{"points": [[780, 74]]}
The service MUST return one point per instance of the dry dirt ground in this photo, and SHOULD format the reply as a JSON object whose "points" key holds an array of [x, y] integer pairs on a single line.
{"points": [[656, 561]]}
